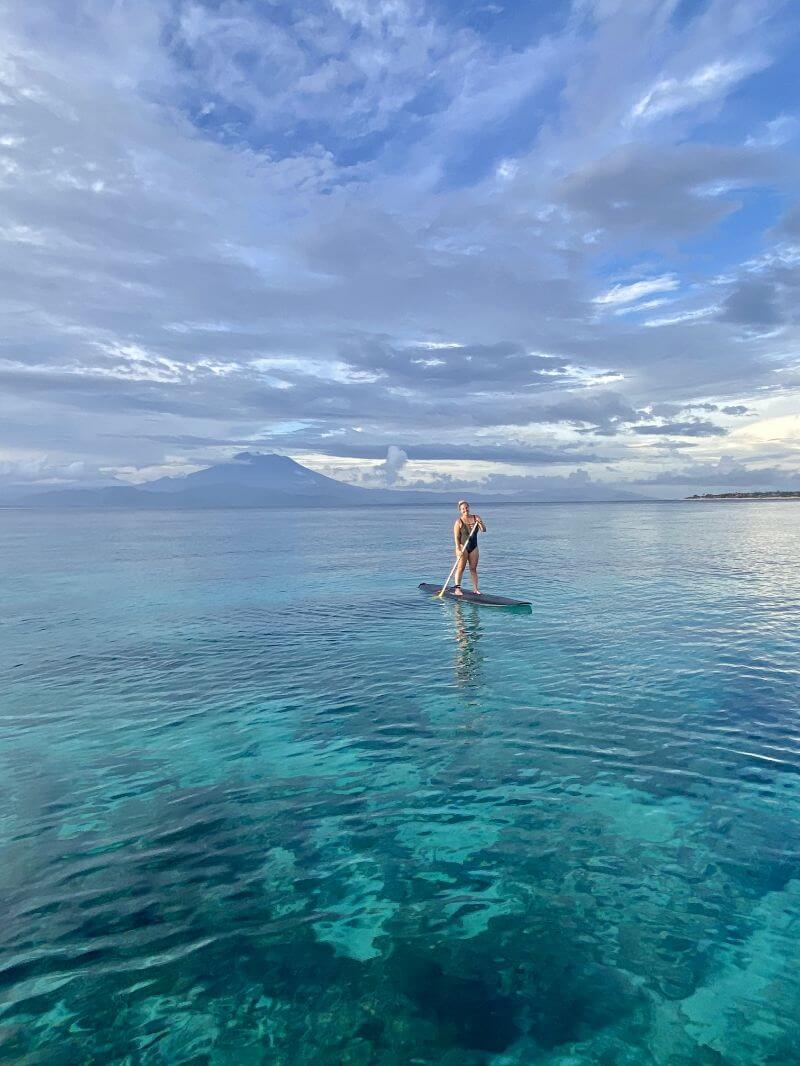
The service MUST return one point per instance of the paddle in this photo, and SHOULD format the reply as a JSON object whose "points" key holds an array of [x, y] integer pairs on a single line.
{"points": [[455, 564]]}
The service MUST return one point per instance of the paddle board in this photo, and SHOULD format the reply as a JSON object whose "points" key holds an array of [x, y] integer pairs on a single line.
{"points": [[484, 599]]}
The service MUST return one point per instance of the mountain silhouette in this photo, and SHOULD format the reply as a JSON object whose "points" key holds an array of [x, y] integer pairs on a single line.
{"points": [[252, 479]]}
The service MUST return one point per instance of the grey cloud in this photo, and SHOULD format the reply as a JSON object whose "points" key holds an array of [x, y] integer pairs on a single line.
{"points": [[604, 411], [790, 223], [669, 410], [729, 473], [690, 428], [188, 440], [127, 226], [86, 392], [304, 397], [680, 364], [660, 189], [503, 363], [752, 303], [579, 485], [454, 452]]}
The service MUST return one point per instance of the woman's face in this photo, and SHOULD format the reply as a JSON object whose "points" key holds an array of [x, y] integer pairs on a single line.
{"points": [[464, 509]]}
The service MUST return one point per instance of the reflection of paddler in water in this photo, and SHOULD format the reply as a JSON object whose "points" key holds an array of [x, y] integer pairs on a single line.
{"points": [[468, 634], [465, 534]]}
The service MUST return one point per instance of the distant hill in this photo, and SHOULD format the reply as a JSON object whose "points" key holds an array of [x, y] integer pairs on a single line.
{"points": [[258, 473], [248, 480], [253, 480]]}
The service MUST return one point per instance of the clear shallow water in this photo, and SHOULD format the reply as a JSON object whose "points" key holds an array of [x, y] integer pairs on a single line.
{"points": [[262, 802]]}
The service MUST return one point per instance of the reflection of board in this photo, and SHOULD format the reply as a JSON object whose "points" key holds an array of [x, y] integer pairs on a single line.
{"points": [[484, 599]]}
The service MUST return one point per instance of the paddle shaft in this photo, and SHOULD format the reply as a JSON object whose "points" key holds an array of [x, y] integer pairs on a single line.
{"points": [[455, 564]]}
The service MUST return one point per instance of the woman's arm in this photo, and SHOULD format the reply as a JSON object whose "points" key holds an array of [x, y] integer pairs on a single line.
{"points": [[481, 525], [456, 525]]}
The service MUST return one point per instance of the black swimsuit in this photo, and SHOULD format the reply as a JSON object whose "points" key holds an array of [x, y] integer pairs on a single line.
{"points": [[472, 539]]}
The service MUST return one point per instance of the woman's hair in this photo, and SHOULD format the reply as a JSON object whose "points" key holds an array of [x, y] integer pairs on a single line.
{"points": [[462, 501]]}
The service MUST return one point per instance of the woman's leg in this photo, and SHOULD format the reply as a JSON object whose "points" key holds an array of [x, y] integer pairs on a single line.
{"points": [[473, 569], [462, 562]]}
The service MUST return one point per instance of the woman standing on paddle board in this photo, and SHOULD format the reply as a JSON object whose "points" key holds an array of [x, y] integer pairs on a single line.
{"points": [[465, 534]]}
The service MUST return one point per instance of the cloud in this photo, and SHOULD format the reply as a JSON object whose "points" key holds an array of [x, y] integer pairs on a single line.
{"points": [[681, 316], [625, 294], [730, 473], [775, 132], [646, 305], [661, 188], [603, 412], [456, 452], [790, 223], [692, 428], [503, 363], [578, 485], [364, 225], [707, 83], [395, 460], [39, 470], [752, 303]]}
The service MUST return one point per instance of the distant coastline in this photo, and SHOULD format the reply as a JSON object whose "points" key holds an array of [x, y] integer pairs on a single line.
{"points": [[265, 480], [775, 495]]}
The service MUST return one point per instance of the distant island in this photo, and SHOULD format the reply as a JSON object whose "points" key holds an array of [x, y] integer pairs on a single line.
{"points": [[267, 480], [776, 494]]}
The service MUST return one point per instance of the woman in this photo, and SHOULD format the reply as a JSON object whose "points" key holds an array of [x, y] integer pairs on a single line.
{"points": [[465, 534]]}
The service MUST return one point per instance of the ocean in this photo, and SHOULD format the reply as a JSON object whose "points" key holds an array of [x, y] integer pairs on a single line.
{"points": [[264, 802]]}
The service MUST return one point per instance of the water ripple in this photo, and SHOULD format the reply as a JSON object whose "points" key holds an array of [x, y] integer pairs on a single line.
{"points": [[255, 812]]}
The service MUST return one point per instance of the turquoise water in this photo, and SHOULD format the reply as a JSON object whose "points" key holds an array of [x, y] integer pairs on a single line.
{"points": [[262, 802]]}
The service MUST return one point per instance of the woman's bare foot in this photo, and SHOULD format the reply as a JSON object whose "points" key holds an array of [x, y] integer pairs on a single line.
{"points": [[457, 590]]}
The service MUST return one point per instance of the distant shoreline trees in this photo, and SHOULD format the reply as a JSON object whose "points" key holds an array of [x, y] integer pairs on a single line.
{"points": [[776, 494]]}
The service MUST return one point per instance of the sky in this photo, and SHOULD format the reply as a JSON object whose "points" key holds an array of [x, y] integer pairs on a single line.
{"points": [[430, 245]]}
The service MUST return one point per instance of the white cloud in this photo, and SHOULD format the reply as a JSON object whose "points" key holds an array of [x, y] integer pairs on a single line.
{"points": [[172, 466], [647, 305], [781, 429], [720, 188], [396, 459], [22, 235], [781, 256], [507, 169], [37, 468], [775, 132], [625, 294], [682, 316], [670, 95]]}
